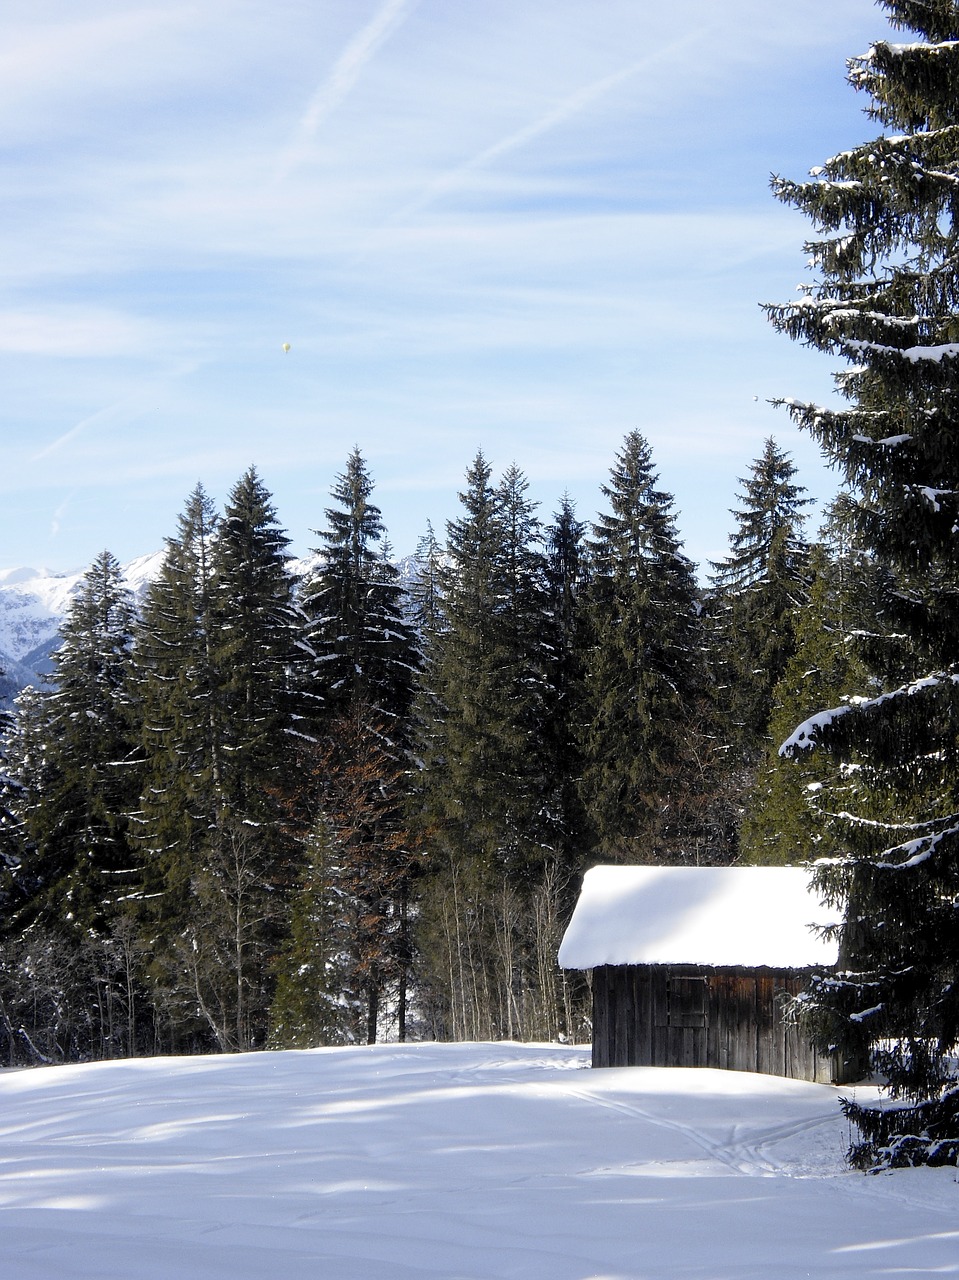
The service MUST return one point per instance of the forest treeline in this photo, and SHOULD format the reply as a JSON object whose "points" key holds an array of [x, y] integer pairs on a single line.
{"points": [[271, 811]]}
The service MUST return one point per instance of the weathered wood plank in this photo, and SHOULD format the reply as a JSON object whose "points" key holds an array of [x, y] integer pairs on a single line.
{"points": [[683, 1016]]}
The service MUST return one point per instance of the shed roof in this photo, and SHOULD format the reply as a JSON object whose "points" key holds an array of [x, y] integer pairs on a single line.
{"points": [[744, 916]]}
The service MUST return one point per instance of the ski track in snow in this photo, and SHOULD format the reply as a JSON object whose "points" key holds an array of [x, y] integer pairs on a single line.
{"points": [[743, 1155]]}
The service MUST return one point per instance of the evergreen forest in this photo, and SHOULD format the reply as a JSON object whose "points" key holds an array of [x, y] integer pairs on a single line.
{"points": [[276, 810]]}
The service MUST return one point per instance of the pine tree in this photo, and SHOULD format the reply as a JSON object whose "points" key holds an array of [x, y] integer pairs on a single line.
{"points": [[364, 665], [643, 676], [176, 820], [177, 685], [565, 584], [756, 594], [521, 622], [73, 776], [786, 815], [482, 765], [364, 647], [484, 798], [78, 775], [885, 218], [426, 596], [256, 650], [451, 809], [249, 868], [216, 648]]}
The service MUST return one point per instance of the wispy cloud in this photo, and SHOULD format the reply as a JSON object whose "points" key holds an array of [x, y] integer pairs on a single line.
{"points": [[596, 226], [341, 80], [57, 517], [565, 110], [75, 332], [45, 64]]}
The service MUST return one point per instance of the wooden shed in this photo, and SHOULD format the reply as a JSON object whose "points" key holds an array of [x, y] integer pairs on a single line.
{"points": [[691, 966]]}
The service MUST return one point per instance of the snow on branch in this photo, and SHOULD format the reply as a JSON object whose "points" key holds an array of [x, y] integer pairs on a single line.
{"points": [[912, 46], [887, 442], [806, 735], [916, 851], [945, 351], [932, 496]]}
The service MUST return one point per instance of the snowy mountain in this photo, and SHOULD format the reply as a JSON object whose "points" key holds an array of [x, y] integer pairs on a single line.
{"points": [[33, 603]]}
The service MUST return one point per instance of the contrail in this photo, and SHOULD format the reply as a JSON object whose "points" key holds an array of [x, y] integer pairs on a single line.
{"points": [[120, 413], [342, 78], [109, 414], [570, 106]]}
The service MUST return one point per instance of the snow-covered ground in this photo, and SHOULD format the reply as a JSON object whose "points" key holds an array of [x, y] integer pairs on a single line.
{"points": [[445, 1161]]}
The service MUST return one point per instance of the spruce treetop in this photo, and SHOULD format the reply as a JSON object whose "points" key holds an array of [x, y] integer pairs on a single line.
{"points": [[769, 522], [640, 524], [642, 666], [365, 654], [354, 526]]}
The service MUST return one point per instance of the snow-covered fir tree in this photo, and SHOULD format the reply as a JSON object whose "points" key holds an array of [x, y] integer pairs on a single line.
{"points": [[426, 596], [78, 774], [885, 250], [73, 777]]}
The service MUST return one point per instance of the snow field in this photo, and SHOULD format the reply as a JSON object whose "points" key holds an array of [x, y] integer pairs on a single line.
{"points": [[454, 1162]]}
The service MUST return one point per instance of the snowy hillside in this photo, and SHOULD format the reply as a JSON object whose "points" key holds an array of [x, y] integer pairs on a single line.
{"points": [[33, 603], [446, 1162]]}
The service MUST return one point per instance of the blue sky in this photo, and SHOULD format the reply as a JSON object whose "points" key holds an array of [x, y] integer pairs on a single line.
{"points": [[520, 225]]}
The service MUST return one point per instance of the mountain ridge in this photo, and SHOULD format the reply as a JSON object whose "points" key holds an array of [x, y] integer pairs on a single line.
{"points": [[34, 603]]}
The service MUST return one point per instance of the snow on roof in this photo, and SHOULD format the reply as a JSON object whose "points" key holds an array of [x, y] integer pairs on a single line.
{"points": [[697, 915]]}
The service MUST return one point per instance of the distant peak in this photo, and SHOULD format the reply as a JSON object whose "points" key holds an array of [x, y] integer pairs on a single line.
{"points": [[12, 577]]}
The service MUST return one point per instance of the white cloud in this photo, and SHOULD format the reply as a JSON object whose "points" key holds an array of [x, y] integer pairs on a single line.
{"points": [[46, 65], [76, 332]]}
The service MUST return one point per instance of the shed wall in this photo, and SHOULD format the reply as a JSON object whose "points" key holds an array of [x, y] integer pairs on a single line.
{"points": [[685, 1016]]}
